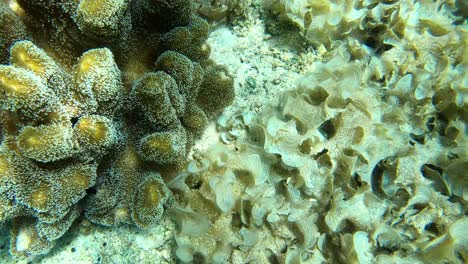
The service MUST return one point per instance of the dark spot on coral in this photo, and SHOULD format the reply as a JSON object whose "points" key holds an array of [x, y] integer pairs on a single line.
{"points": [[452, 132], [273, 259], [433, 228], [430, 124], [104, 244], [377, 177], [197, 185], [420, 139], [305, 146], [419, 206], [355, 181], [317, 155], [349, 227], [236, 222], [327, 129], [401, 197], [284, 249], [251, 83], [317, 96], [452, 156], [73, 249], [198, 258], [74, 120], [91, 190], [434, 174]]}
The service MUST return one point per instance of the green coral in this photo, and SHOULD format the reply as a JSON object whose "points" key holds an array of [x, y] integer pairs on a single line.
{"points": [[100, 101]]}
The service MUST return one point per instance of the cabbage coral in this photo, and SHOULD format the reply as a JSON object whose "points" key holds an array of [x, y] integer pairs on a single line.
{"points": [[361, 163]]}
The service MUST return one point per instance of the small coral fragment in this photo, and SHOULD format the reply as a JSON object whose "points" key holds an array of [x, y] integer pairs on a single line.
{"points": [[22, 91], [53, 231], [164, 147], [195, 119], [26, 55], [26, 240], [95, 133], [152, 95], [74, 181], [11, 29], [151, 195], [39, 197], [216, 84], [190, 40], [16, 82], [4, 166], [98, 80], [187, 74], [103, 18], [46, 143]]}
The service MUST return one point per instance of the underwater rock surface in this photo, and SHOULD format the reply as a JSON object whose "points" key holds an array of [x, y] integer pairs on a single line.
{"points": [[345, 140]]}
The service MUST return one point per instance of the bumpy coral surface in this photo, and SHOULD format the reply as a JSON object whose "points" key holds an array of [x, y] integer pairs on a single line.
{"points": [[100, 103]]}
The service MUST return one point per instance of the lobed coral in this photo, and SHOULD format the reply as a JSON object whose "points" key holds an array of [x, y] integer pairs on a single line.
{"points": [[94, 121]]}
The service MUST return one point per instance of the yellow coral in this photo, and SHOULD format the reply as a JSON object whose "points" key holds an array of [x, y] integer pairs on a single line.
{"points": [[96, 131], [26, 55], [4, 166], [32, 138], [46, 143], [94, 7], [15, 82], [159, 144], [77, 178], [129, 159], [152, 194], [40, 197], [85, 64], [80, 178], [15, 7]]}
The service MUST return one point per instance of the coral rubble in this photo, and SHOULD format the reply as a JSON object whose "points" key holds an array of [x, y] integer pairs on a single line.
{"points": [[100, 103]]}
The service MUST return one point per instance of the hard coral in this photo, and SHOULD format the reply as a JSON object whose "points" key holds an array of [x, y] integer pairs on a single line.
{"points": [[93, 119]]}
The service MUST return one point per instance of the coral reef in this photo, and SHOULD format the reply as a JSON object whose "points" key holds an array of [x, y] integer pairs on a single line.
{"points": [[361, 163], [100, 103]]}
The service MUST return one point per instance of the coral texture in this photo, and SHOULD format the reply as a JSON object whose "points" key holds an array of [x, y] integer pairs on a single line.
{"points": [[216, 10], [100, 103], [375, 23], [361, 163]]}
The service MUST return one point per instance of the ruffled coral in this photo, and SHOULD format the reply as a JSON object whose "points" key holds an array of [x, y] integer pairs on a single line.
{"points": [[357, 164]]}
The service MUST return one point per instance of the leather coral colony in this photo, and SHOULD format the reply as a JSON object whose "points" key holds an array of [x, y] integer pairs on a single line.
{"points": [[99, 100]]}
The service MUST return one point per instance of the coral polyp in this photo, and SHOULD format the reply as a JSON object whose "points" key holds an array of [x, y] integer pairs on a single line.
{"points": [[90, 117]]}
